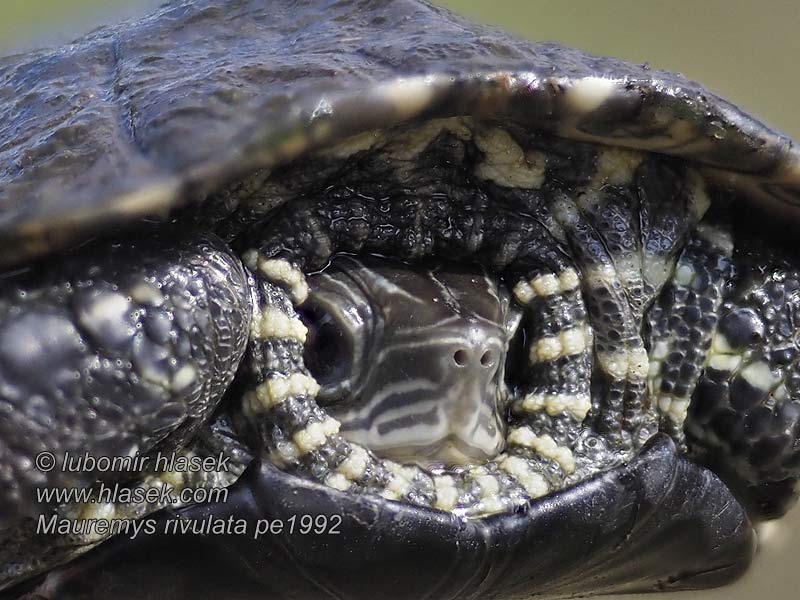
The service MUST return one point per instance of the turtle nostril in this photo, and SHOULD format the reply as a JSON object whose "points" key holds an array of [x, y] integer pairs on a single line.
{"points": [[461, 357]]}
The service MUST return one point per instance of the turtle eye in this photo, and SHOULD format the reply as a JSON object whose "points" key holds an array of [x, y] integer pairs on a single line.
{"points": [[517, 365], [327, 354], [338, 315]]}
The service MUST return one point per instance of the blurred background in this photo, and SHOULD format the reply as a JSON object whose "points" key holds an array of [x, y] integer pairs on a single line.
{"points": [[746, 51]]}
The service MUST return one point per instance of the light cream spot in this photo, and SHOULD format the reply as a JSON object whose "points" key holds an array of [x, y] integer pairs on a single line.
{"points": [[288, 452], [492, 505], [97, 510], [293, 145], [321, 130], [147, 294], [544, 446], [109, 307], [573, 341], [588, 200], [638, 363], [699, 202], [506, 164], [337, 481], [94, 512], [355, 465], [720, 344], [183, 378], [678, 410], [616, 166], [600, 276], [533, 483], [569, 280], [781, 393], [577, 405], [719, 238], [546, 285], [446, 492], [684, 275], [614, 363], [251, 405], [725, 362], [157, 482], [313, 436], [652, 372], [489, 485], [408, 95], [629, 270], [589, 93], [250, 259], [155, 199], [279, 270], [565, 212], [660, 350], [621, 365], [656, 270], [545, 349], [759, 375], [400, 481], [274, 323], [534, 402], [396, 489], [524, 292], [409, 472], [275, 391], [681, 131], [674, 408], [173, 478]]}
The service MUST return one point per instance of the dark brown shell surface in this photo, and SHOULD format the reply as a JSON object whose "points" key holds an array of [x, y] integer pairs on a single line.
{"points": [[138, 119]]}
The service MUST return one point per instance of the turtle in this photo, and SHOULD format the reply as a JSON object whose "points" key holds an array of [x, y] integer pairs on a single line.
{"points": [[384, 304]]}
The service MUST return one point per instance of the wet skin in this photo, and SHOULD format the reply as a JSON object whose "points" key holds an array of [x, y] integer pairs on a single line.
{"points": [[656, 317]]}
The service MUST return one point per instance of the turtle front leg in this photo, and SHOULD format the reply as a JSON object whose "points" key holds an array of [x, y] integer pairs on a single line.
{"points": [[110, 352]]}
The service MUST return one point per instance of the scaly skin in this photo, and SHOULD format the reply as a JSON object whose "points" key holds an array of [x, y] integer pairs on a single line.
{"points": [[592, 242], [642, 304]]}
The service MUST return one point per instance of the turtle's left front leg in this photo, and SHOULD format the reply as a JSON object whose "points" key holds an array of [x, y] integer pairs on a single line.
{"points": [[121, 350]]}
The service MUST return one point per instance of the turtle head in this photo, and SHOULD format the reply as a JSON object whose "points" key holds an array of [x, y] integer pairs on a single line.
{"points": [[412, 360]]}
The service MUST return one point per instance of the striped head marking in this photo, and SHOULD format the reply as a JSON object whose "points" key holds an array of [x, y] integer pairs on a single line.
{"points": [[411, 360]]}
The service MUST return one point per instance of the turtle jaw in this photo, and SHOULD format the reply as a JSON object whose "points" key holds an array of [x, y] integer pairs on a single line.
{"points": [[442, 454]]}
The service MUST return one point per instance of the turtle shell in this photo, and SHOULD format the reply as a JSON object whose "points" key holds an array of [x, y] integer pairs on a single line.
{"points": [[140, 119], [153, 118]]}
